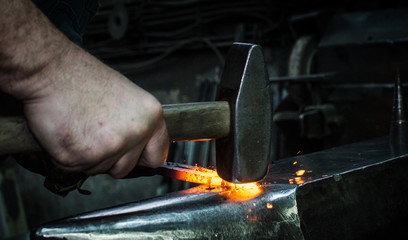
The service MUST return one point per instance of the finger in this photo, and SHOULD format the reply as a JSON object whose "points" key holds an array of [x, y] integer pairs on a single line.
{"points": [[156, 149], [70, 168], [126, 163], [74, 166], [103, 166]]}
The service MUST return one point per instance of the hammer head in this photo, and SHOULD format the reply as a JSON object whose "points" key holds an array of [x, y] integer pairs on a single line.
{"points": [[244, 155]]}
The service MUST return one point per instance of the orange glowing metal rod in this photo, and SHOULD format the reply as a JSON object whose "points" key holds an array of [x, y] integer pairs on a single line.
{"points": [[199, 175], [233, 191], [209, 177], [204, 176]]}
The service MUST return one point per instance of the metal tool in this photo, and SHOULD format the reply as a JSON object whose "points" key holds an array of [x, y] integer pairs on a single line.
{"points": [[355, 191], [240, 119]]}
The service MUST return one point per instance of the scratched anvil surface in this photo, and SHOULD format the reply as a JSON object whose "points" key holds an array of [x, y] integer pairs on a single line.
{"points": [[356, 191]]}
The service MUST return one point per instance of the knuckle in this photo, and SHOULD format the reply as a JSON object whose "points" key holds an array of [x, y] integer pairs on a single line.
{"points": [[152, 163], [114, 144], [89, 153], [91, 156], [65, 160], [106, 146], [157, 110], [117, 173], [155, 164]]}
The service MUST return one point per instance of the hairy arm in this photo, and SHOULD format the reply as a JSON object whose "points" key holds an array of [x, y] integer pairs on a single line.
{"points": [[28, 42], [86, 115]]}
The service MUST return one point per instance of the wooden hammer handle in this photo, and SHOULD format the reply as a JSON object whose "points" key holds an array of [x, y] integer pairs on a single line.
{"points": [[196, 121], [191, 121]]}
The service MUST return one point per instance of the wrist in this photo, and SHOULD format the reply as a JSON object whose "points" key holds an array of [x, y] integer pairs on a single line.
{"points": [[29, 43], [36, 83]]}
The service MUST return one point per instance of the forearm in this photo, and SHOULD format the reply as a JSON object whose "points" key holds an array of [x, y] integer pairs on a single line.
{"points": [[28, 43], [87, 116]]}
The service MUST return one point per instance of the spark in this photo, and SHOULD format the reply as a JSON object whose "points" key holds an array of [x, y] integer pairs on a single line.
{"points": [[300, 172], [299, 180]]}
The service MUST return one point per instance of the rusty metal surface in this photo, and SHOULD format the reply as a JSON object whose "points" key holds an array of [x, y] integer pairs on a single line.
{"points": [[356, 191], [244, 155]]}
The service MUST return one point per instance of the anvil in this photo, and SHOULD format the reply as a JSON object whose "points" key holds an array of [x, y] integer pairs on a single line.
{"points": [[356, 191]]}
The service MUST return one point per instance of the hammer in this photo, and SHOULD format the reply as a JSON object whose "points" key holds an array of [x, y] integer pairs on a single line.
{"points": [[240, 119]]}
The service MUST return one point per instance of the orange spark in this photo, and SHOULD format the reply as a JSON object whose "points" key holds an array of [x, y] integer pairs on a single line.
{"points": [[300, 172], [299, 180], [269, 205], [295, 162]]}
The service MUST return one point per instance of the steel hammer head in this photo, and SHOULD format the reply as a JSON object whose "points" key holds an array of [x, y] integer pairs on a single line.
{"points": [[244, 155]]}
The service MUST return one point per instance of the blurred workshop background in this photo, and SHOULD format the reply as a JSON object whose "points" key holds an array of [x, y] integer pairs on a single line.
{"points": [[332, 65]]}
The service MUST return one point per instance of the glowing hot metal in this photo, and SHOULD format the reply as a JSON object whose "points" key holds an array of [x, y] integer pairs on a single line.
{"points": [[205, 176]]}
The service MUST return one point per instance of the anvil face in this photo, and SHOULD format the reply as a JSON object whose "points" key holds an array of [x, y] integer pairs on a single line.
{"points": [[356, 191]]}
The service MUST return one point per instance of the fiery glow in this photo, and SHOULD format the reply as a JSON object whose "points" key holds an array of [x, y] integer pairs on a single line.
{"points": [[297, 180], [241, 192], [299, 152], [300, 172], [269, 205], [233, 191], [295, 162], [200, 175]]}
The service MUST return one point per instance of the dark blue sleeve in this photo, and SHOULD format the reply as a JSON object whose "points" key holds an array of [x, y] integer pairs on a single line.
{"points": [[69, 16]]}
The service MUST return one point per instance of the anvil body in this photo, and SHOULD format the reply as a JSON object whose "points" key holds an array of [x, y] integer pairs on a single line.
{"points": [[355, 191]]}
